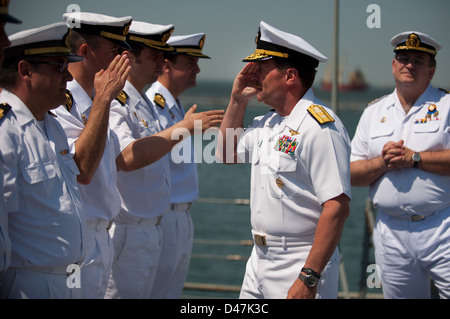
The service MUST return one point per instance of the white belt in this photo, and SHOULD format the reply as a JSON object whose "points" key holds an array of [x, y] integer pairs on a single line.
{"points": [[180, 206], [155, 221], [63, 270], [263, 240], [100, 224]]}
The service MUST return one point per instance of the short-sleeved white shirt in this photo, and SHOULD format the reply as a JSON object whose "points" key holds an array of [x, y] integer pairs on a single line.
{"points": [[297, 165], [426, 127], [183, 168], [101, 199], [145, 192], [45, 222], [5, 242]]}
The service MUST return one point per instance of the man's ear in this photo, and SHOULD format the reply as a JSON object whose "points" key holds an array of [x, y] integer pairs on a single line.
{"points": [[83, 50], [291, 75], [24, 69]]}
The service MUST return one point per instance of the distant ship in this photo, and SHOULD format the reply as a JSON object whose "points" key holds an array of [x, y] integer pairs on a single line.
{"points": [[356, 80]]}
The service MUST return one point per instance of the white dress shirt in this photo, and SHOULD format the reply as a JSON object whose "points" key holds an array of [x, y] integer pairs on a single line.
{"points": [[297, 165], [426, 127], [100, 197], [46, 226], [183, 169], [145, 192]]}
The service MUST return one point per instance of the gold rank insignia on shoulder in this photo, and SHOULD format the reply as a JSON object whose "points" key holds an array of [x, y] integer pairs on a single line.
{"points": [[160, 100], [4, 108], [376, 100], [69, 100], [319, 113], [122, 98]]}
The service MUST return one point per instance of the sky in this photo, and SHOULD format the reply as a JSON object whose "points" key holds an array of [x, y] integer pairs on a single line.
{"points": [[231, 26]]}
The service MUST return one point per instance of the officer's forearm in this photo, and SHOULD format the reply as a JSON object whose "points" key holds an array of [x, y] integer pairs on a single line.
{"points": [[328, 233], [227, 142], [435, 162], [366, 172]]}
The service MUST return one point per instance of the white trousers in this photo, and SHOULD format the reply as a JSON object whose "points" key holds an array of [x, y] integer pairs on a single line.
{"points": [[137, 250], [177, 240], [271, 271], [96, 268], [409, 254], [22, 283]]}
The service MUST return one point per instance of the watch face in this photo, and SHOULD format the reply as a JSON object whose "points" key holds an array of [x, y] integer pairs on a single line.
{"points": [[416, 157], [311, 281]]}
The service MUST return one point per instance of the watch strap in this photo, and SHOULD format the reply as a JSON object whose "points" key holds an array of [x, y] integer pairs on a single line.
{"points": [[309, 271]]}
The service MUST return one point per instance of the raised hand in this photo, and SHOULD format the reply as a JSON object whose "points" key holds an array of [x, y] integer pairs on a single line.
{"points": [[110, 82], [207, 119]]}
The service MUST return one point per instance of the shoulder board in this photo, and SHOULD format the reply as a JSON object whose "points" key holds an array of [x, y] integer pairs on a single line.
{"points": [[446, 91], [122, 98], [4, 108], [69, 100], [160, 100], [376, 100], [319, 113]]}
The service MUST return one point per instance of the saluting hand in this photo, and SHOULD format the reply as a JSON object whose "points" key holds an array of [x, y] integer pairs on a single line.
{"points": [[110, 82], [246, 85]]}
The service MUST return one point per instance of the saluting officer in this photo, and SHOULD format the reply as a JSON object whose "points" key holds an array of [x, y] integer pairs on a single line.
{"points": [[144, 176], [401, 150], [97, 80], [300, 180], [179, 74], [43, 202]]}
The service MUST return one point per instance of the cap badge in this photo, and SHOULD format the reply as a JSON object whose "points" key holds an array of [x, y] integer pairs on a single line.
{"points": [[126, 29], [413, 41]]}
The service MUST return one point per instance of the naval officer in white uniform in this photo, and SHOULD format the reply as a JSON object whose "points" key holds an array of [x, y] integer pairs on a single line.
{"points": [[97, 80], [401, 150], [46, 225], [300, 181], [179, 74], [5, 243], [144, 180]]}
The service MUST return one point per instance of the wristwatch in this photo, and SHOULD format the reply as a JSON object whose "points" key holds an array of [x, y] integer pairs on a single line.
{"points": [[311, 279], [416, 159]]}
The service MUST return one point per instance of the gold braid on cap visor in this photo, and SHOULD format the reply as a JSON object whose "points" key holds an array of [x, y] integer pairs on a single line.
{"points": [[260, 53], [47, 50], [151, 43]]}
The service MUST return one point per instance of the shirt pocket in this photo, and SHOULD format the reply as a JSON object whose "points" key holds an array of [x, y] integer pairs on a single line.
{"points": [[428, 137], [426, 128], [282, 165], [382, 131], [38, 172]]}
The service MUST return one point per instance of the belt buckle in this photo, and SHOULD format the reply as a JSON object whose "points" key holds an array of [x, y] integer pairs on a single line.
{"points": [[260, 240], [417, 218]]}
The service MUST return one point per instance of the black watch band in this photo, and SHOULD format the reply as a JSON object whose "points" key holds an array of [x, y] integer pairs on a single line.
{"points": [[309, 271]]}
